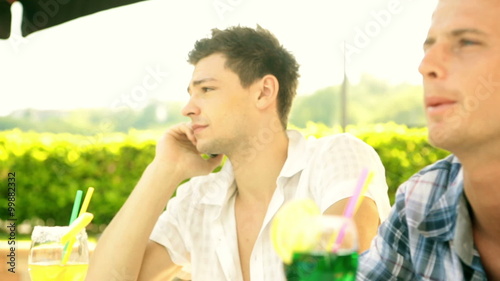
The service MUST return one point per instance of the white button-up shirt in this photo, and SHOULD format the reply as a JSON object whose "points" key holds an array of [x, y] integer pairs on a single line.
{"points": [[198, 227]]}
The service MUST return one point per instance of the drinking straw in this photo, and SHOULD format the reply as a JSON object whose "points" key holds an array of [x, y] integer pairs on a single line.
{"points": [[363, 191], [74, 212], [86, 201], [80, 223], [352, 206], [76, 206], [69, 237]]}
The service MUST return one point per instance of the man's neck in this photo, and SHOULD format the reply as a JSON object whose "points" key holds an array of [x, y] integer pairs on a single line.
{"points": [[482, 188], [257, 167]]}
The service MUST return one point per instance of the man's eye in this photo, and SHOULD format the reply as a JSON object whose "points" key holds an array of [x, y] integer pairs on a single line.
{"points": [[206, 89], [467, 42]]}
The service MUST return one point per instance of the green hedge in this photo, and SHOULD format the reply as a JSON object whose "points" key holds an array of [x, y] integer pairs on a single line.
{"points": [[49, 168]]}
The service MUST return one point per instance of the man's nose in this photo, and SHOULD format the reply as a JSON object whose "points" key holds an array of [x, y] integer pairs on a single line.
{"points": [[190, 108], [433, 64]]}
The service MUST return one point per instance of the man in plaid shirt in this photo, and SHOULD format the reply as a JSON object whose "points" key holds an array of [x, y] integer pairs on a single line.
{"points": [[445, 224]]}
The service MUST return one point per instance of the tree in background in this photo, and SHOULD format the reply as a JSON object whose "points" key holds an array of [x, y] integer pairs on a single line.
{"points": [[370, 101]]}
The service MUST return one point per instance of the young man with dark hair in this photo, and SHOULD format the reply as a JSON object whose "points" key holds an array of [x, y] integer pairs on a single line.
{"points": [[217, 225]]}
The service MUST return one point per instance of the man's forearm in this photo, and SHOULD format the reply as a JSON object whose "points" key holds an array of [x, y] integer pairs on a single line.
{"points": [[119, 252]]}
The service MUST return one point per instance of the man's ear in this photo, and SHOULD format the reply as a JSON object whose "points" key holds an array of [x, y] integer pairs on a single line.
{"points": [[269, 88]]}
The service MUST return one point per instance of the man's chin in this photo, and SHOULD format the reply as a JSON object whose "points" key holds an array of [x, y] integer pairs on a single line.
{"points": [[204, 149], [209, 147], [440, 138]]}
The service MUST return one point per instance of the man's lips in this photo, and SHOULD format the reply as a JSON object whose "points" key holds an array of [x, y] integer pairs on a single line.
{"points": [[435, 105], [198, 128]]}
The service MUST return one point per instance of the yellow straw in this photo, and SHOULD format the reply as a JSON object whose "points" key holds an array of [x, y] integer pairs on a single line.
{"points": [[363, 190], [86, 201], [80, 223]]}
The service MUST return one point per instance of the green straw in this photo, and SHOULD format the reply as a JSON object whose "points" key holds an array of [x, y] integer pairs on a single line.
{"points": [[76, 206], [74, 214]]}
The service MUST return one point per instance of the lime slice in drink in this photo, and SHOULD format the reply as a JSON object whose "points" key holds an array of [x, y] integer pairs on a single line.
{"points": [[295, 228]]}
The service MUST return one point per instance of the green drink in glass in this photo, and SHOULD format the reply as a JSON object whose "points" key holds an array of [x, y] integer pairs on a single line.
{"points": [[314, 247], [322, 266], [332, 252]]}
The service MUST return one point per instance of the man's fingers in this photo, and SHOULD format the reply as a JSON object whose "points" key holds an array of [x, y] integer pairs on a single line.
{"points": [[183, 131], [188, 131]]}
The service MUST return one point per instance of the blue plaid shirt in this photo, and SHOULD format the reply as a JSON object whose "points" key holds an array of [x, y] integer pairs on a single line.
{"points": [[428, 235]]}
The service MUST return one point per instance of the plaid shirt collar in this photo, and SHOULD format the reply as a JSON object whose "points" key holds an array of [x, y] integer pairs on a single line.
{"points": [[440, 220]]}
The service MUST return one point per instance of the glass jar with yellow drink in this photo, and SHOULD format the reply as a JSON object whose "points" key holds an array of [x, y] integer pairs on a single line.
{"points": [[49, 259]]}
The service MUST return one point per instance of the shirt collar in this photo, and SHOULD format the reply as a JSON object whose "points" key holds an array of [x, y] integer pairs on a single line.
{"points": [[440, 220], [463, 240], [297, 154]]}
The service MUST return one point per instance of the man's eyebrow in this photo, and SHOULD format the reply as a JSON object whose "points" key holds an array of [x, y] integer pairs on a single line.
{"points": [[458, 32], [429, 41], [198, 82]]}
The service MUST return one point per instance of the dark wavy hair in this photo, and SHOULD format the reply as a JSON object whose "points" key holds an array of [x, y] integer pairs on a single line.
{"points": [[252, 54]]}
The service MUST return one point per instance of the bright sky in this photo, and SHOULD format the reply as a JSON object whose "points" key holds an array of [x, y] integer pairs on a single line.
{"points": [[132, 54]]}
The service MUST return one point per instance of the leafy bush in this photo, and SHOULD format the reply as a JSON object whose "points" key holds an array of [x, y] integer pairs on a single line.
{"points": [[50, 168]]}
